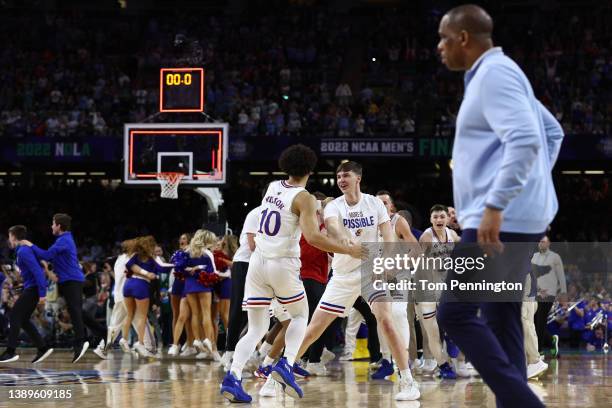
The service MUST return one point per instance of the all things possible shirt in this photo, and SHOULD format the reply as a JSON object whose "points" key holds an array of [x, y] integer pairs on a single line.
{"points": [[361, 221]]}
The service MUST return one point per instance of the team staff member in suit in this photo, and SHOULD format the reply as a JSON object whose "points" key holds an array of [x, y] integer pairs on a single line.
{"points": [[63, 255]]}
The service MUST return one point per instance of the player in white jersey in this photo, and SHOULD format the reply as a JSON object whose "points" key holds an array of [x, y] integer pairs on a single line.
{"points": [[399, 307], [240, 267], [287, 212], [359, 217], [438, 242]]}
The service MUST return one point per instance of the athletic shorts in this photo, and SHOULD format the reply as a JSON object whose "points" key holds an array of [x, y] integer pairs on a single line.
{"points": [[269, 278], [343, 289], [425, 310], [223, 289], [136, 288], [177, 287], [278, 311], [193, 286]]}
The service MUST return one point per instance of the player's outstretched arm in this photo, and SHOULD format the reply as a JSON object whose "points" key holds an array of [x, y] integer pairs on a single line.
{"points": [[305, 207]]}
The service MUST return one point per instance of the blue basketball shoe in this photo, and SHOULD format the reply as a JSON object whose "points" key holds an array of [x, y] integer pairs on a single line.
{"points": [[385, 370], [263, 372], [283, 373], [298, 371], [231, 388], [447, 372]]}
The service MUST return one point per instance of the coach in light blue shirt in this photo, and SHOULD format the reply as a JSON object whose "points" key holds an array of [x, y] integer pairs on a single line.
{"points": [[506, 143]]}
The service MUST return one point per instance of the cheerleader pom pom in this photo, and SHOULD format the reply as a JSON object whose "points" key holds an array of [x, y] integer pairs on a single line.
{"points": [[208, 279], [179, 259]]}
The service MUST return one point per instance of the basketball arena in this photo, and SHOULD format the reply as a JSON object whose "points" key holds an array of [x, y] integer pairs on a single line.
{"points": [[305, 203]]}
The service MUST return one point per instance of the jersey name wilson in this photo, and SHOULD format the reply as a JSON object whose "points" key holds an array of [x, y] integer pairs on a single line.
{"points": [[276, 201]]}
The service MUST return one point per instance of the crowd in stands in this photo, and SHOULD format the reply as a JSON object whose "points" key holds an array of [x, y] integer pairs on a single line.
{"points": [[565, 52], [300, 71]]}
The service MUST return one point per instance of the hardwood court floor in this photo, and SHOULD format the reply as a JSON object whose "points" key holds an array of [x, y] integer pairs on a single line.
{"points": [[125, 381]]}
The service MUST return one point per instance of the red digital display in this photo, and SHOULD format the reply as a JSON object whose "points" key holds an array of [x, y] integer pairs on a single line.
{"points": [[181, 90]]}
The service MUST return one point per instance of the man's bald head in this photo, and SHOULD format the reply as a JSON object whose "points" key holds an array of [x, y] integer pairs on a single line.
{"points": [[472, 19], [465, 34]]}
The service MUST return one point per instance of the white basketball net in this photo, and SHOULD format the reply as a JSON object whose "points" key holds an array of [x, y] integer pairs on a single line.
{"points": [[169, 184]]}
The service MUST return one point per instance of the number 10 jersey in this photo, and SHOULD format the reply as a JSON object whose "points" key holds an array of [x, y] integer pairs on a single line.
{"points": [[279, 231]]}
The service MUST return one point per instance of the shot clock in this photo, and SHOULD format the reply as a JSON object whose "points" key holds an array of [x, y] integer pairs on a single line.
{"points": [[181, 90]]}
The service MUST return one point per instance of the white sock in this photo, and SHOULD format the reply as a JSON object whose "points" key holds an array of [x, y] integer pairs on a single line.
{"points": [[433, 336], [267, 361], [352, 327], [265, 348], [406, 374], [259, 321], [384, 346], [295, 333], [400, 318]]}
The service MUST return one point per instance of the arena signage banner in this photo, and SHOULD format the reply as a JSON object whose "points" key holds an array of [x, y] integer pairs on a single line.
{"points": [[375, 147], [367, 147], [43, 150], [267, 148], [96, 149]]}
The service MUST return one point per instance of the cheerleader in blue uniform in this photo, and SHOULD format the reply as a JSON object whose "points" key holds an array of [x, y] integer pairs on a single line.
{"points": [[199, 278], [142, 269], [181, 313]]}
